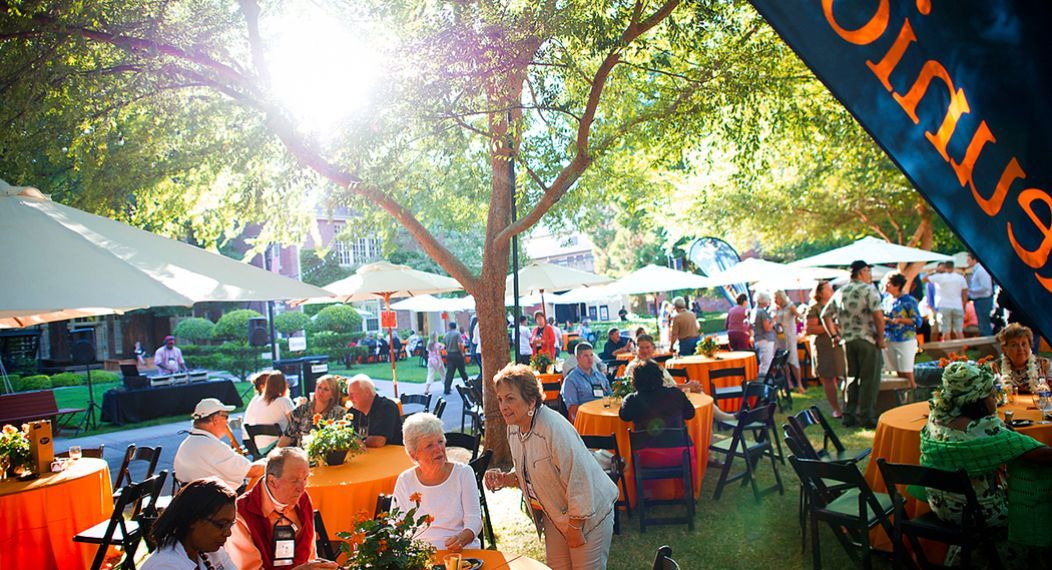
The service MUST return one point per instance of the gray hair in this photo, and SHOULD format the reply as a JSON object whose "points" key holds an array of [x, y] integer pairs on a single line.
{"points": [[419, 426], [781, 296], [680, 303], [762, 297], [276, 459], [363, 381]]}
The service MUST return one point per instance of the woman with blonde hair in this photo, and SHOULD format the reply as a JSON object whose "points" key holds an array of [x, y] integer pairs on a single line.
{"points": [[786, 317], [325, 405]]}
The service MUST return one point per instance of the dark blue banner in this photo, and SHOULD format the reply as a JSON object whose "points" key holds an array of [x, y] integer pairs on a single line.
{"points": [[958, 93]]}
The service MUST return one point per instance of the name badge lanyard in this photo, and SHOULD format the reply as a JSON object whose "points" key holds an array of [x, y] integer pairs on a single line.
{"points": [[284, 538]]}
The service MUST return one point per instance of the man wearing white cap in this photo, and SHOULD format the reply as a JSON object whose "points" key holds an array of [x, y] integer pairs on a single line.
{"points": [[202, 454]]}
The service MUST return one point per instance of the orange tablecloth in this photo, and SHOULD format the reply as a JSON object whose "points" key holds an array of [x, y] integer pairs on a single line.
{"points": [[698, 367], [39, 518], [342, 492], [898, 440], [496, 560], [594, 419]]}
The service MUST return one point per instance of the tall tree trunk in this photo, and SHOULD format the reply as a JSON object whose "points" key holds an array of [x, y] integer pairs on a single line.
{"points": [[923, 237]]}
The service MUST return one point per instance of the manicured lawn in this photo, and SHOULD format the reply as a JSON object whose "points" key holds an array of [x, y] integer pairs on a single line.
{"points": [[734, 532], [408, 371]]}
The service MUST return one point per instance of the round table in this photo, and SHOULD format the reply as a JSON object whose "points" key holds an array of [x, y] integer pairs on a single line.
{"points": [[495, 559], [593, 419], [698, 367], [343, 492], [898, 440], [40, 517]]}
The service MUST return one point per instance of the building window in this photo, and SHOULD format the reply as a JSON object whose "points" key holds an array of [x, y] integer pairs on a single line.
{"points": [[356, 251]]}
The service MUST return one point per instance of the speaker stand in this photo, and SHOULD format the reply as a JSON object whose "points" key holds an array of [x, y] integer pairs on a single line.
{"points": [[88, 421]]}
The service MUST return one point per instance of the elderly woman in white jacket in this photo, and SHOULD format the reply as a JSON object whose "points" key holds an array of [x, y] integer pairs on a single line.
{"points": [[571, 497]]}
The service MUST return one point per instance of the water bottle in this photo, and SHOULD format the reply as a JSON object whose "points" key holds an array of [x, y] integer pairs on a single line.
{"points": [[1044, 397]]}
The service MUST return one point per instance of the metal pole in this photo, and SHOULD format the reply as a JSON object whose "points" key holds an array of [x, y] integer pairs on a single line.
{"points": [[270, 308], [514, 247]]}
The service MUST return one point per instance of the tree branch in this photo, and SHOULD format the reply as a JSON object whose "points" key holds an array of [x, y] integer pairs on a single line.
{"points": [[250, 8], [582, 158]]}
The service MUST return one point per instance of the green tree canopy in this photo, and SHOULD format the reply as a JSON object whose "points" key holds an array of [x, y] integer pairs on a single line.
{"points": [[195, 329], [291, 322], [338, 319], [234, 325]]}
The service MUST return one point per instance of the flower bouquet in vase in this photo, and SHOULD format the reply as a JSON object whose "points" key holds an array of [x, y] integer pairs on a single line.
{"points": [[14, 451], [541, 362], [620, 389], [388, 541], [333, 440], [709, 347]]}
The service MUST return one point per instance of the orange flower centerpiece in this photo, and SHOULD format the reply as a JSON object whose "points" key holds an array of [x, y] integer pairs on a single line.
{"points": [[389, 541], [333, 440], [14, 450]]}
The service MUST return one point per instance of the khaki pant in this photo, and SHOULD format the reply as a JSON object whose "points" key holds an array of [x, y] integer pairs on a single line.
{"points": [[589, 556], [863, 382]]}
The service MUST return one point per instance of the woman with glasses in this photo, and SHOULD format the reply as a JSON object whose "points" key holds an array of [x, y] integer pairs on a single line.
{"points": [[191, 532]]}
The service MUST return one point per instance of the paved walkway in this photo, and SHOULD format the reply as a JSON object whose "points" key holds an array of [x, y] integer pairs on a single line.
{"points": [[169, 436]]}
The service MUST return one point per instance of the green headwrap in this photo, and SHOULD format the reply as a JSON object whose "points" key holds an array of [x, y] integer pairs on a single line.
{"points": [[962, 383]]}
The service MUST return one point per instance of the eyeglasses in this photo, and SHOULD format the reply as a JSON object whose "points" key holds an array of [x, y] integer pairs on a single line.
{"points": [[223, 526]]}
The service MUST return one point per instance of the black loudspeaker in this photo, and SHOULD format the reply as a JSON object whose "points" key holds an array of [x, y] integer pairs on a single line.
{"points": [[82, 345], [258, 335]]}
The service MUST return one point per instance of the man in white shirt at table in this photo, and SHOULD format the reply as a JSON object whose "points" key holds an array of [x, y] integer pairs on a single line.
{"points": [[202, 454], [169, 359]]}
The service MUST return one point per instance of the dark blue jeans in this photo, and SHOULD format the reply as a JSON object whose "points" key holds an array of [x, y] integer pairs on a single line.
{"points": [[686, 345], [983, 307]]}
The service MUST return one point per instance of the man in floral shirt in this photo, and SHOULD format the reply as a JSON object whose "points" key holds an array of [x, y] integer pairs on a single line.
{"points": [[854, 317]]}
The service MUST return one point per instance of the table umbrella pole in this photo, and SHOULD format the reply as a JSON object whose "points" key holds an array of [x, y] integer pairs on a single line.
{"points": [[390, 347]]}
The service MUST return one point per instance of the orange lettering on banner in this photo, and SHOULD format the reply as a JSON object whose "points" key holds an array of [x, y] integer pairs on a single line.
{"points": [[869, 32], [891, 59], [1039, 256], [1045, 282], [958, 104]]}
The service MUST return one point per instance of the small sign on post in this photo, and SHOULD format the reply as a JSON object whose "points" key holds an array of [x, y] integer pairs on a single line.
{"points": [[388, 320], [297, 343]]}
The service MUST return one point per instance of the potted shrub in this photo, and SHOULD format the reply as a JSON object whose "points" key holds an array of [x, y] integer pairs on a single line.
{"points": [[541, 362], [332, 440], [14, 450], [389, 541]]}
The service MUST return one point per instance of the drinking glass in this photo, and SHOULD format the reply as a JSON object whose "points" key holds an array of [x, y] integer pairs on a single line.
{"points": [[75, 452], [363, 429], [606, 401]]}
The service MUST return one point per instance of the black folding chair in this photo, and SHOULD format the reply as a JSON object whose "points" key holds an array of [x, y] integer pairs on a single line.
{"points": [[148, 455], [852, 512], [663, 559], [117, 531], [415, 400], [756, 422], [383, 505], [440, 407], [678, 373], [254, 431], [557, 403], [93, 452], [812, 417], [479, 466], [971, 535], [778, 376], [616, 471], [682, 471], [730, 392], [322, 542], [472, 409], [756, 395], [466, 441]]}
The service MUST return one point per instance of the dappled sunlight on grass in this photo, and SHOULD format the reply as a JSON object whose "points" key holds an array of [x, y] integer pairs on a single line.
{"points": [[734, 532]]}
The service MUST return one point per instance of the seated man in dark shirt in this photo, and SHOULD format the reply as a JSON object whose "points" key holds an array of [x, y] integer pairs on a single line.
{"points": [[374, 412], [615, 344]]}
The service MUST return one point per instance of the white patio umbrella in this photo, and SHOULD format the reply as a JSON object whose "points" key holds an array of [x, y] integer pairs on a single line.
{"points": [[61, 263], [386, 280], [873, 251], [586, 295], [430, 303], [536, 278], [754, 269], [656, 279]]}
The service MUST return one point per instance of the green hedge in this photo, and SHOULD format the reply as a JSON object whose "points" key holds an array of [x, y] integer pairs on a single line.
{"points": [[67, 379], [104, 377], [35, 382]]}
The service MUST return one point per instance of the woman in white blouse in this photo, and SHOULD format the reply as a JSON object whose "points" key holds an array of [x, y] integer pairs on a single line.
{"points": [[271, 406], [446, 490]]}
